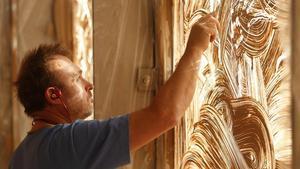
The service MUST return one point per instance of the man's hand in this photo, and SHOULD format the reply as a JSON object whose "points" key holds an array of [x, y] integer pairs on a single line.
{"points": [[205, 30], [175, 96]]}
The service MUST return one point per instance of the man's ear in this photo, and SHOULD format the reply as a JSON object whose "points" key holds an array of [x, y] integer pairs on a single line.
{"points": [[52, 95]]}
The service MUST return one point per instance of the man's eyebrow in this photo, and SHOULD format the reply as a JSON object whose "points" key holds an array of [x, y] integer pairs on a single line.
{"points": [[79, 72]]}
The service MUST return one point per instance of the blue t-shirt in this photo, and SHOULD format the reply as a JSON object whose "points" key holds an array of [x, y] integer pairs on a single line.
{"points": [[90, 144]]}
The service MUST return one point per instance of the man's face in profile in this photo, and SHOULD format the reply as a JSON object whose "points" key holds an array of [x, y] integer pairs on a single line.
{"points": [[76, 91]]}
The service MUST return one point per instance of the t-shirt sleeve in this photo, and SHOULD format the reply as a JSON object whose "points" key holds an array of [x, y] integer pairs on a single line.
{"points": [[92, 144]]}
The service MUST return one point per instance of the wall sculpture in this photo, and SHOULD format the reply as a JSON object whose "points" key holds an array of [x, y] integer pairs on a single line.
{"points": [[240, 116]]}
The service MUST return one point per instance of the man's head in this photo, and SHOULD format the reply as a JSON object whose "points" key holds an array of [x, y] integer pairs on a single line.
{"points": [[45, 71]]}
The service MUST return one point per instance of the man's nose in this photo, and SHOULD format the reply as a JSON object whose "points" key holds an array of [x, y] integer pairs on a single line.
{"points": [[89, 86]]}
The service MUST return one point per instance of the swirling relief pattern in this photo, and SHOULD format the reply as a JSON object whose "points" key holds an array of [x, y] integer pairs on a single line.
{"points": [[240, 117]]}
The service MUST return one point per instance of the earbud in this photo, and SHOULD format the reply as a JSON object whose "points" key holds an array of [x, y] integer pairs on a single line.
{"points": [[56, 93]]}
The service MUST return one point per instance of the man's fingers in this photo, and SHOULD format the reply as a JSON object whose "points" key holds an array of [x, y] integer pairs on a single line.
{"points": [[211, 26], [204, 18], [211, 29], [215, 20], [208, 19], [214, 34], [214, 13]]}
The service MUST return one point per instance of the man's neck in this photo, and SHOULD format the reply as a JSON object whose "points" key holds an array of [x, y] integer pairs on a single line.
{"points": [[48, 118], [52, 116]]}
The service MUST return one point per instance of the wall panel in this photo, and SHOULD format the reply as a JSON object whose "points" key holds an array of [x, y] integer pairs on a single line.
{"points": [[123, 45], [6, 135], [295, 60], [240, 115]]}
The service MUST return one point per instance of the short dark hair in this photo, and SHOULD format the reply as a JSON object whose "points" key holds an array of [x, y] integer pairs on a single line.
{"points": [[34, 77]]}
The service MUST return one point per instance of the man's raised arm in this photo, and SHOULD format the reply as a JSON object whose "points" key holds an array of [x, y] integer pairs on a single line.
{"points": [[175, 96]]}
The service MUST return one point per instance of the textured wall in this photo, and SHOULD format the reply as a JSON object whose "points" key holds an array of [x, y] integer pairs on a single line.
{"points": [[240, 115]]}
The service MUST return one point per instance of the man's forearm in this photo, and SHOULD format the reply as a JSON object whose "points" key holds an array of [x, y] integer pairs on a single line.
{"points": [[168, 105], [175, 96]]}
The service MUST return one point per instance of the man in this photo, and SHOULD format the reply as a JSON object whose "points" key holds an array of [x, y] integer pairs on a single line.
{"points": [[55, 95]]}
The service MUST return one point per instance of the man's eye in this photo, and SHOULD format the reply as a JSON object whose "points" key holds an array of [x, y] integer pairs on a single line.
{"points": [[76, 78]]}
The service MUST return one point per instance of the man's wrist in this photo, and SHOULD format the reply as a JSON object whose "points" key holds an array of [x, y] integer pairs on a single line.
{"points": [[193, 52]]}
